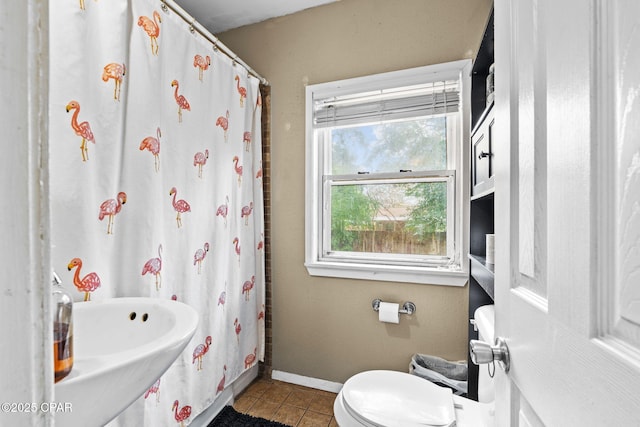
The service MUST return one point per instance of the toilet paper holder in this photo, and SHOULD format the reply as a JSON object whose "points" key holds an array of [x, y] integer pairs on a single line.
{"points": [[407, 308]]}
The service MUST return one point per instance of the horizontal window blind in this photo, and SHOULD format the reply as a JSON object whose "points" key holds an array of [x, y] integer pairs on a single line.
{"points": [[388, 104]]}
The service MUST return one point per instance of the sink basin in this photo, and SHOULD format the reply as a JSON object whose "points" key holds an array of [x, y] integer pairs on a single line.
{"points": [[121, 347]]}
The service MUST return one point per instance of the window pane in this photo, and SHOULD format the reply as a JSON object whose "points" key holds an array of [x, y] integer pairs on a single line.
{"points": [[415, 144], [402, 218]]}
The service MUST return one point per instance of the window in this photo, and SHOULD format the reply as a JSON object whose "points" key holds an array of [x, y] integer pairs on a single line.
{"points": [[385, 176]]}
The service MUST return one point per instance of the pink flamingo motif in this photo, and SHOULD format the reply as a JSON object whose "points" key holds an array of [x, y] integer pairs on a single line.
{"points": [[111, 208], [182, 102], [88, 283], [200, 159], [199, 256], [153, 146], [184, 413], [223, 210], [154, 389], [222, 298], [238, 169], [241, 90], [259, 173], [236, 242], [261, 314], [246, 138], [200, 351], [202, 64], [153, 266], [246, 211], [247, 286], [223, 122], [238, 329], [83, 129], [152, 28], [261, 242], [116, 72], [248, 361], [222, 380], [180, 206]]}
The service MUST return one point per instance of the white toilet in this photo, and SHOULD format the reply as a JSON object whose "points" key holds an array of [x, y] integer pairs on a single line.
{"points": [[398, 399]]}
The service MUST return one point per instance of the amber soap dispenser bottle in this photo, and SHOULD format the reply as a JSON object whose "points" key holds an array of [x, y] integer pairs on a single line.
{"points": [[62, 329]]}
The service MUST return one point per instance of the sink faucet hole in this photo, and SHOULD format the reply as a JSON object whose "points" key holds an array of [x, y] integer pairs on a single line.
{"points": [[145, 317], [132, 315]]}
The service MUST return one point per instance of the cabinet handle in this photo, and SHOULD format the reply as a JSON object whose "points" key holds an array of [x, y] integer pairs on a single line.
{"points": [[483, 154]]}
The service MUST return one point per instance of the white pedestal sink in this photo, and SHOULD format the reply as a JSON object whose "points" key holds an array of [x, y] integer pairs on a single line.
{"points": [[121, 347]]}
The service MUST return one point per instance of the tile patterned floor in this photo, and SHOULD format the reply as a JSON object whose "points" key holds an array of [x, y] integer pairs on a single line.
{"points": [[288, 404]]}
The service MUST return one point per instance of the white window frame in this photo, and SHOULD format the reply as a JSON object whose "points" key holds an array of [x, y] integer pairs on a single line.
{"points": [[446, 176], [457, 271]]}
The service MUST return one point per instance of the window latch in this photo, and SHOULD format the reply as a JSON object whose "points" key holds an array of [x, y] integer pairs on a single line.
{"points": [[363, 173], [405, 170]]}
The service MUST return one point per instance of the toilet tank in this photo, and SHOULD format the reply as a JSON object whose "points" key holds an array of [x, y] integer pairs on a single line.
{"points": [[485, 320]]}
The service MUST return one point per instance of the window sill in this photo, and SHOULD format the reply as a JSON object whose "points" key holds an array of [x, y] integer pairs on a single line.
{"points": [[388, 273]]}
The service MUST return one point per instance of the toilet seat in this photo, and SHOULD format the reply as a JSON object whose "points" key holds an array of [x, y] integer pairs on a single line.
{"points": [[394, 399], [397, 399]]}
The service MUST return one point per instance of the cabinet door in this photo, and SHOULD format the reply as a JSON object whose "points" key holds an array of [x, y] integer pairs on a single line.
{"points": [[482, 157]]}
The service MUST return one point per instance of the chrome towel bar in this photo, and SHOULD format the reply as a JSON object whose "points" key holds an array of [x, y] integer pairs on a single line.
{"points": [[407, 308]]}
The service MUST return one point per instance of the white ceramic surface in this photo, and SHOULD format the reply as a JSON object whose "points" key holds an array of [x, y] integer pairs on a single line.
{"points": [[121, 347], [394, 399], [397, 399]]}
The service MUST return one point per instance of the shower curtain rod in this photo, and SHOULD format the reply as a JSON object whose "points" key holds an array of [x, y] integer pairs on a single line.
{"points": [[217, 44]]}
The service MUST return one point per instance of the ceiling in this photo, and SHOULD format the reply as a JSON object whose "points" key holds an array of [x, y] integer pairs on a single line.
{"points": [[222, 15]]}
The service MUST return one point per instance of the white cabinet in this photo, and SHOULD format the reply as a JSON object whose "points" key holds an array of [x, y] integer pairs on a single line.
{"points": [[482, 155]]}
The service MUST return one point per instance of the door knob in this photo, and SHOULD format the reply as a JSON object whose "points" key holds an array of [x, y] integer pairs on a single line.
{"points": [[483, 154], [482, 352]]}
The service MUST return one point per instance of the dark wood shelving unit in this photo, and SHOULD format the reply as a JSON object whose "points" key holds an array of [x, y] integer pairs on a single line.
{"points": [[483, 273], [479, 73], [481, 213]]}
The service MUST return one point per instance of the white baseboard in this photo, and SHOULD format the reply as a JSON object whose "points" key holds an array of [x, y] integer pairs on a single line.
{"points": [[306, 381]]}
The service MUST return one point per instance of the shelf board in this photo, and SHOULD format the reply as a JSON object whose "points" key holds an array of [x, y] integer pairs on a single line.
{"points": [[482, 195], [483, 272], [483, 262]]}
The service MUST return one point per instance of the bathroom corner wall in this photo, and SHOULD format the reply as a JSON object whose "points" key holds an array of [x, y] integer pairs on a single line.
{"points": [[325, 327]]}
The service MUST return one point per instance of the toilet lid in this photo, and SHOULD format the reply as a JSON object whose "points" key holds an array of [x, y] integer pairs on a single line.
{"points": [[390, 399]]}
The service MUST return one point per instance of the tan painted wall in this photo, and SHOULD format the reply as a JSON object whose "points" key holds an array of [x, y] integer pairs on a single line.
{"points": [[324, 327]]}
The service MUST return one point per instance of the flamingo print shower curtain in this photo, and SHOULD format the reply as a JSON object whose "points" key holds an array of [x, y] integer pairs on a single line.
{"points": [[155, 182]]}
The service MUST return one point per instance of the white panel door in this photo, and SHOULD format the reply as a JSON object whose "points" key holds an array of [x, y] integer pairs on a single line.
{"points": [[567, 194]]}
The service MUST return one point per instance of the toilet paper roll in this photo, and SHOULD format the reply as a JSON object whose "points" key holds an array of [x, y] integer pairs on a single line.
{"points": [[388, 312], [491, 253]]}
